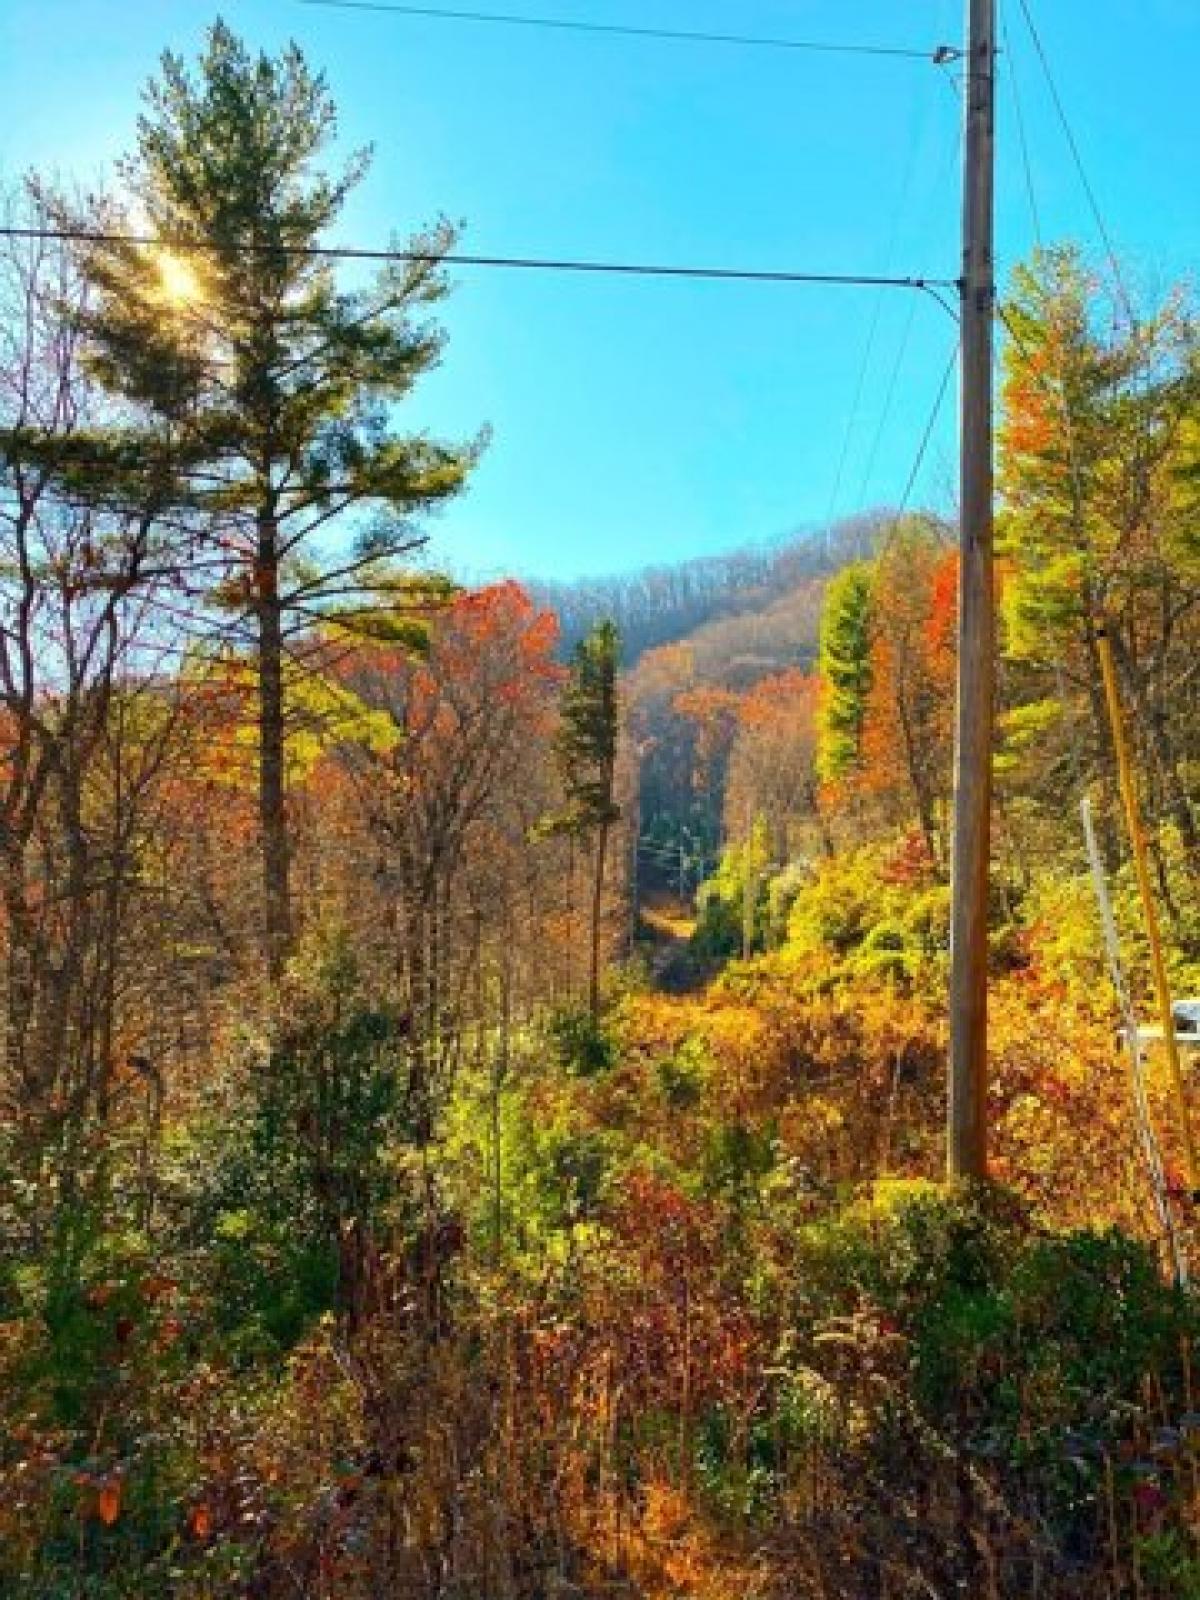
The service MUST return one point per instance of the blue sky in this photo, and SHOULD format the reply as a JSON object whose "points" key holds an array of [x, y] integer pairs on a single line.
{"points": [[643, 421]]}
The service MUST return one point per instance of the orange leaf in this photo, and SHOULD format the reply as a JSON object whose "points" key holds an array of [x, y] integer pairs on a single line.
{"points": [[108, 1503], [200, 1521], [155, 1287]]}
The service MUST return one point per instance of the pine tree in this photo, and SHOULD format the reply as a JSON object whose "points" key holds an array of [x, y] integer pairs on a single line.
{"points": [[586, 747], [276, 386], [845, 664]]}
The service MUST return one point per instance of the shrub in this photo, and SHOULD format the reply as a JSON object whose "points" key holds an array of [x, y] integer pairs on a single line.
{"points": [[583, 1046]]}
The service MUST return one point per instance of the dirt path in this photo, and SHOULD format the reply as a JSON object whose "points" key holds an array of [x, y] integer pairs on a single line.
{"points": [[665, 928]]}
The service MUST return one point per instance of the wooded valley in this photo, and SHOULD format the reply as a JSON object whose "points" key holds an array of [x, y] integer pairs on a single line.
{"points": [[473, 1091]]}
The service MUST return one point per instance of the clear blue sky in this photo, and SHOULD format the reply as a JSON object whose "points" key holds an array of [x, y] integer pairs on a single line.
{"points": [[641, 421]]}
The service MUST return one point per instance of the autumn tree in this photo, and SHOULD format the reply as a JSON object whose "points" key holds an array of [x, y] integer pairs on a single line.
{"points": [[1096, 527], [712, 712], [773, 765], [233, 338], [449, 802], [908, 727]]}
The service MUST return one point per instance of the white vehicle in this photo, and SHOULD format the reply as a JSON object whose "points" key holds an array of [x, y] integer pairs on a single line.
{"points": [[1187, 1030]]}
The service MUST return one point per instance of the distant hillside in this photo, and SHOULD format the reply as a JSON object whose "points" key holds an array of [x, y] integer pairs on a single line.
{"points": [[660, 605], [736, 652], [676, 688], [698, 638]]}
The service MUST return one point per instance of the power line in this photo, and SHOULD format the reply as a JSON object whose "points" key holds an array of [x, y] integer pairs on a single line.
{"points": [[905, 337], [923, 449], [889, 399], [627, 269], [1077, 158], [1061, 389], [1035, 214], [508, 19], [873, 328]]}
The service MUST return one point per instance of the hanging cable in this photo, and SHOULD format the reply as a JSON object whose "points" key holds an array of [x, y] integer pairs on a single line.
{"points": [[905, 337], [897, 519], [927, 436], [627, 269], [1060, 388], [873, 327], [888, 402], [507, 19], [1077, 157], [1022, 134]]}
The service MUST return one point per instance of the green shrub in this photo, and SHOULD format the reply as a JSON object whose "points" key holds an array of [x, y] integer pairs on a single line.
{"points": [[1014, 1333], [583, 1046], [324, 1108], [683, 1075]]}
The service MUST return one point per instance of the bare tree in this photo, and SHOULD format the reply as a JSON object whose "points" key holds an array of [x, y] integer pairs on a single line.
{"points": [[87, 707]]}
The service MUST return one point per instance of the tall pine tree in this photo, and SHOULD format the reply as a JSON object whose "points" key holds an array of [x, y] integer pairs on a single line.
{"points": [[234, 341]]}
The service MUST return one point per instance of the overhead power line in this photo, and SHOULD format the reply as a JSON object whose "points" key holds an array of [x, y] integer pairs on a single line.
{"points": [[1077, 157], [1035, 213], [922, 451], [888, 401], [873, 327], [927, 436], [627, 269], [507, 19], [951, 154]]}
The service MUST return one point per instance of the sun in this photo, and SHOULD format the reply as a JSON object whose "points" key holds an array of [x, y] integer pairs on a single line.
{"points": [[180, 284]]}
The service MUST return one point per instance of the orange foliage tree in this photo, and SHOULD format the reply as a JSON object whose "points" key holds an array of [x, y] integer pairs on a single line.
{"points": [[773, 765], [445, 812], [908, 730]]}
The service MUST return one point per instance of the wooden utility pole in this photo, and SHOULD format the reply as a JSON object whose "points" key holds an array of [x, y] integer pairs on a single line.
{"points": [[967, 1141]]}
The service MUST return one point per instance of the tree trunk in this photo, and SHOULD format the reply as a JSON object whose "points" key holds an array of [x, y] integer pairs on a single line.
{"points": [[272, 784], [597, 914], [922, 798], [812, 799], [20, 985]]}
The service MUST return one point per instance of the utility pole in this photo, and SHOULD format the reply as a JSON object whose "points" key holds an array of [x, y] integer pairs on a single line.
{"points": [[967, 1131]]}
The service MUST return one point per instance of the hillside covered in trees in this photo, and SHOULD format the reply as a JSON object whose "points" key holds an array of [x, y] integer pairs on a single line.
{"points": [[473, 1085], [661, 605]]}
